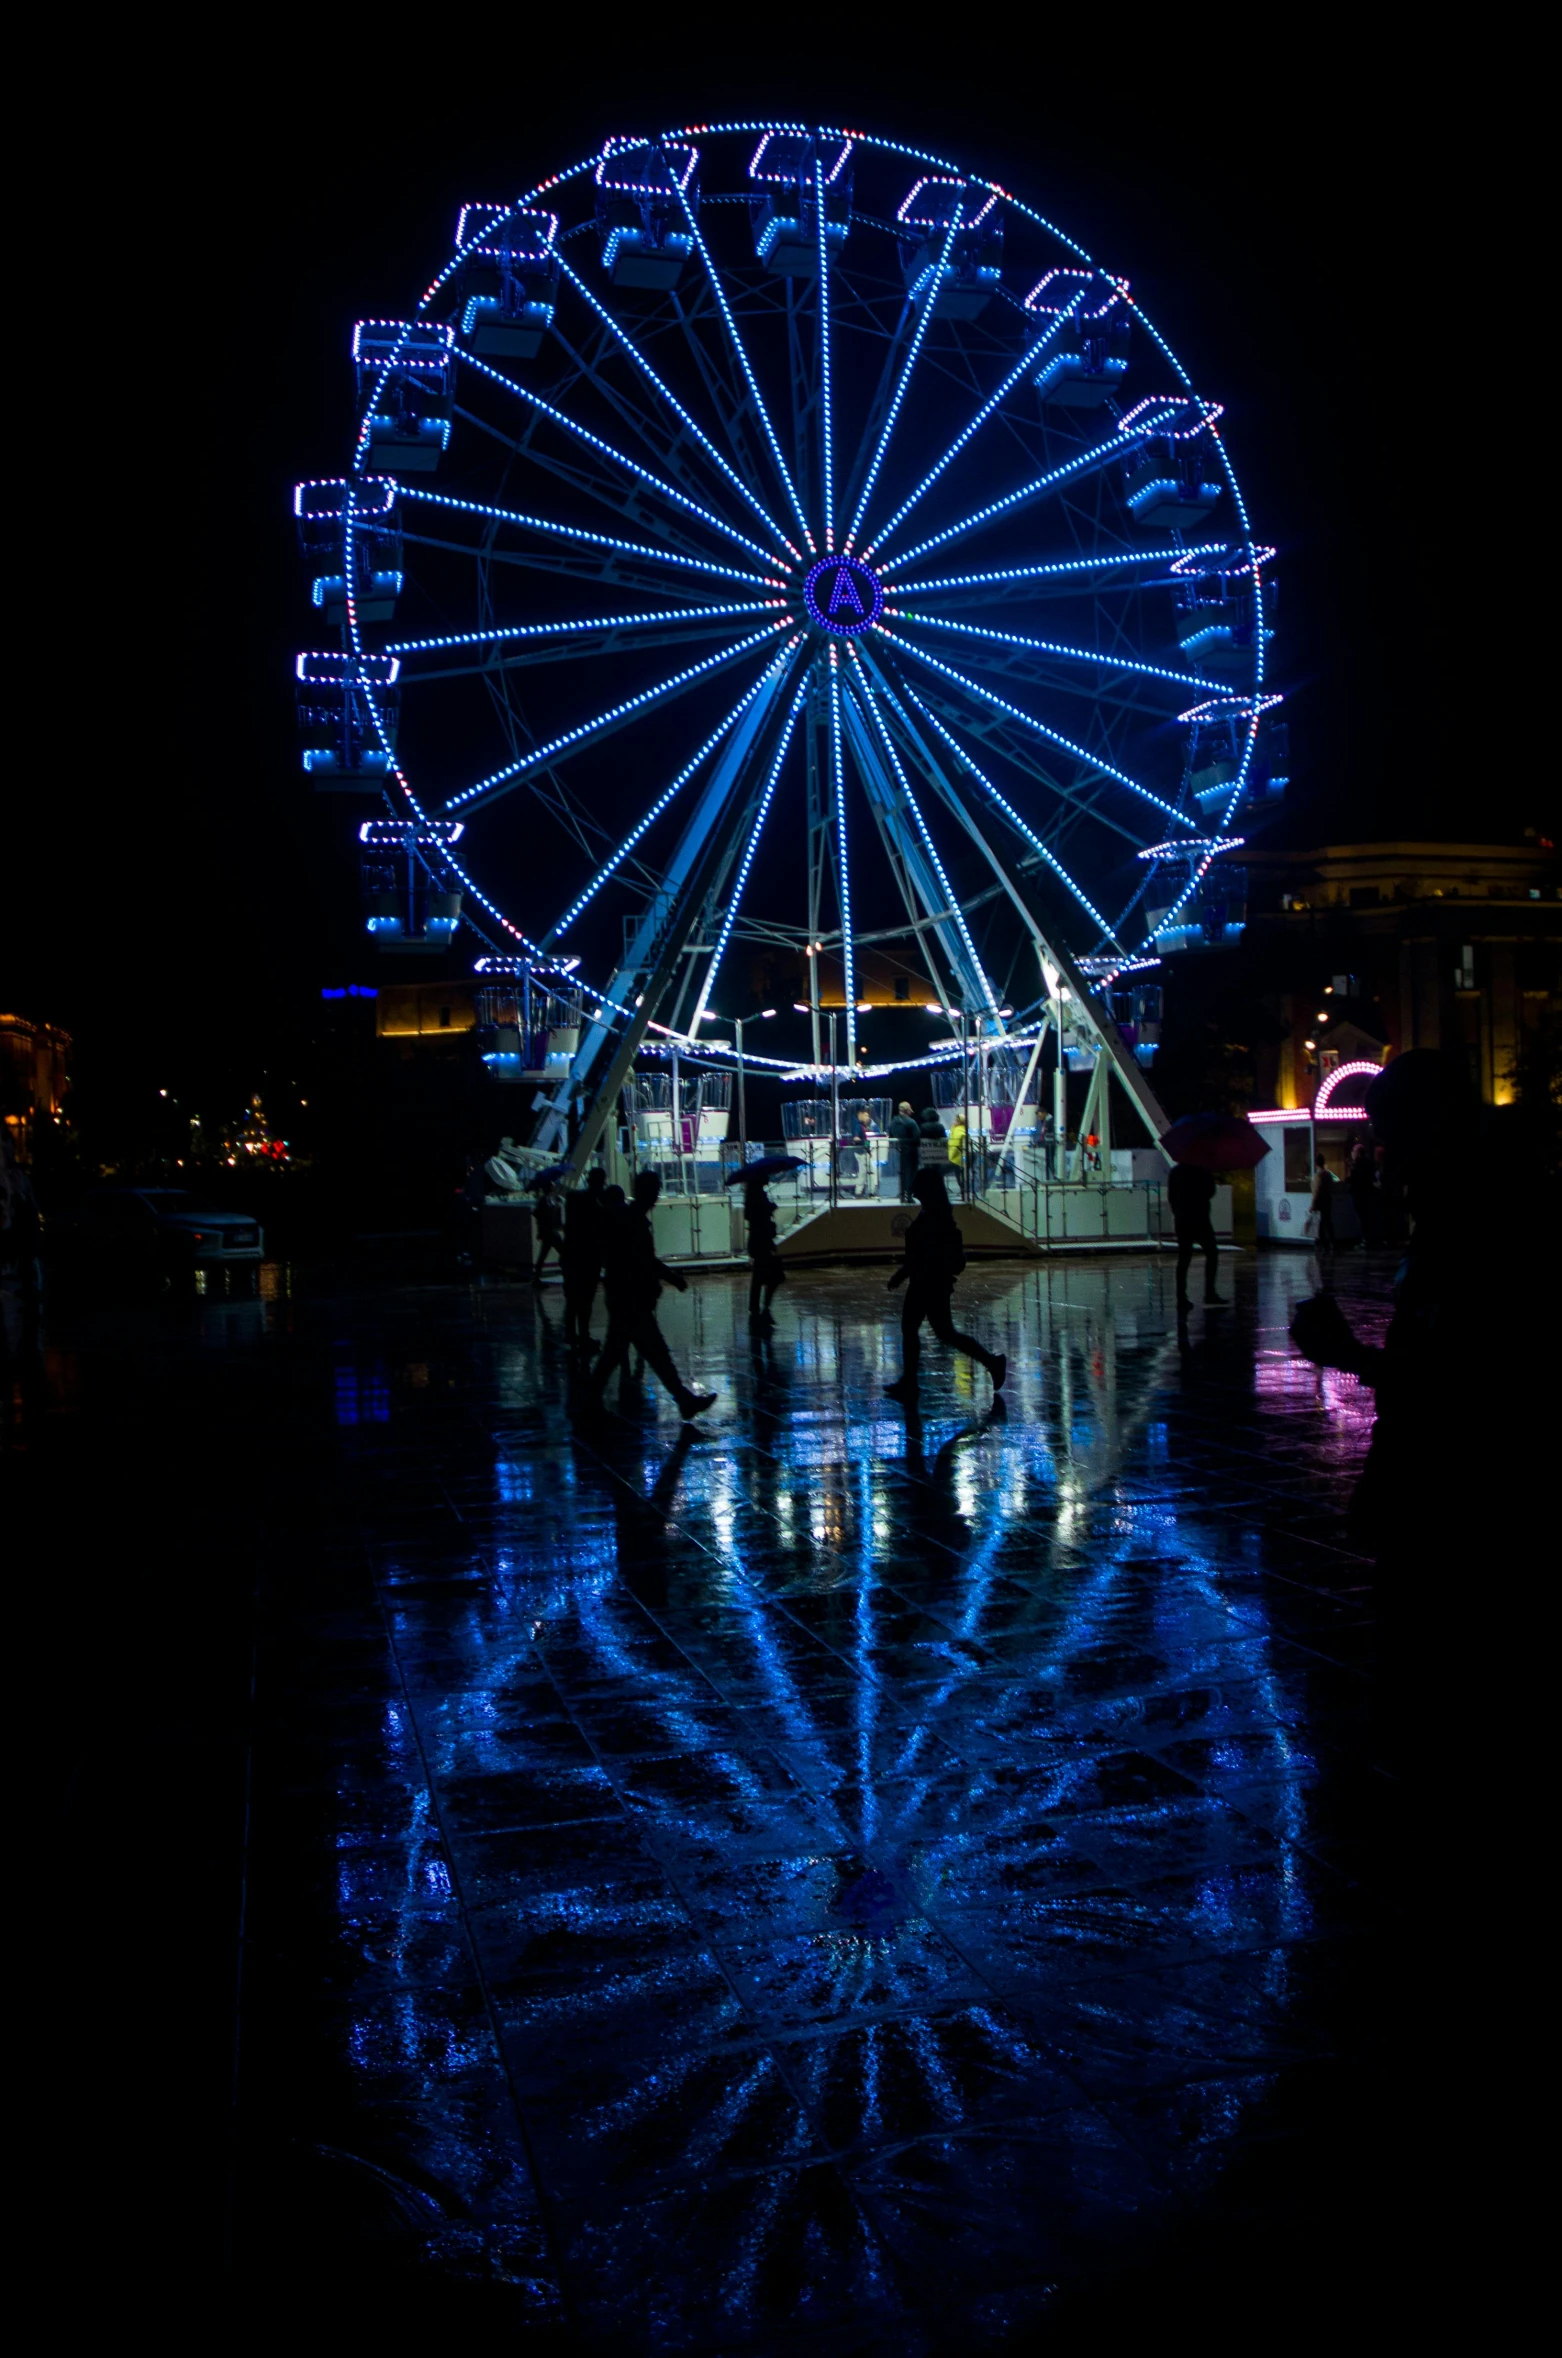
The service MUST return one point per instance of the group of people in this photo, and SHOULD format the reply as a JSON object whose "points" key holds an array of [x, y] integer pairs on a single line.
{"points": [[923, 1139], [600, 1237], [1361, 1183]]}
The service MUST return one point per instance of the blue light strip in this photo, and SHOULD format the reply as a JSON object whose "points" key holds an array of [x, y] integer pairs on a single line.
{"points": [[572, 739], [1109, 932], [1028, 720], [924, 321], [838, 784], [826, 393], [619, 458], [867, 700], [599, 540], [1009, 638], [1085, 464], [665, 393], [750, 379], [553, 630], [736, 896], [643, 826], [1060, 569], [1026, 361]]}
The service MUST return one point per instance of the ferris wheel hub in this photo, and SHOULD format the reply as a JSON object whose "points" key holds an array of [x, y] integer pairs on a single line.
{"points": [[842, 596]]}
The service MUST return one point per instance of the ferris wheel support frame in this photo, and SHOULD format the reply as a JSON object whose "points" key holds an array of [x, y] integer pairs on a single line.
{"points": [[629, 1006]]}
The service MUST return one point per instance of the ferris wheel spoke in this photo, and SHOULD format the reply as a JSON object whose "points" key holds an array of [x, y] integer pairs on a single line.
{"points": [[944, 905], [1027, 360], [611, 629], [617, 716], [1006, 809], [1059, 649], [609, 544], [665, 394], [924, 322], [735, 896], [1039, 487], [619, 458], [643, 826], [1028, 720], [749, 378], [1124, 568], [842, 871], [1076, 804], [826, 384]]}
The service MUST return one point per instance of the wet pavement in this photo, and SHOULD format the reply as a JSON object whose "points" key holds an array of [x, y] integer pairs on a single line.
{"points": [[826, 1875]]}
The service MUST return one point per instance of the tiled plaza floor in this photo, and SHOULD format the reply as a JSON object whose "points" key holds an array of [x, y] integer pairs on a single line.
{"points": [[824, 1874], [824, 1878]]}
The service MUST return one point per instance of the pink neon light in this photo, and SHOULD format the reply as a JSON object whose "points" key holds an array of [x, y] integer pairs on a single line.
{"points": [[1343, 1072]]}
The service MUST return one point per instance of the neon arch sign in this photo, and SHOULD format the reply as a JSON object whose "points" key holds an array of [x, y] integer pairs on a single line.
{"points": [[1344, 1072]]}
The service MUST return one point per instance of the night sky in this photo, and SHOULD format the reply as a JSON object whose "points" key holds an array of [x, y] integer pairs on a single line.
{"points": [[1309, 236]]}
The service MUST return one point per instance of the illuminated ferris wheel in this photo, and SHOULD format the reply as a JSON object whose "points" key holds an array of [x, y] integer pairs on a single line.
{"points": [[903, 626]]}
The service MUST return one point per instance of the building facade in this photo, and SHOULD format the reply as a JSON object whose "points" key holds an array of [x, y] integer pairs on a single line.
{"points": [[1404, 945]]}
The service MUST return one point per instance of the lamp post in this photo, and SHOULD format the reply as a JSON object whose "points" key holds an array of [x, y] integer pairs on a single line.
{"points": [[738, 1022]]}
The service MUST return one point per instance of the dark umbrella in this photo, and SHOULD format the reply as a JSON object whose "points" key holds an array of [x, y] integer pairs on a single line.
{"points": [[769, 1166], [1215, 1142]]}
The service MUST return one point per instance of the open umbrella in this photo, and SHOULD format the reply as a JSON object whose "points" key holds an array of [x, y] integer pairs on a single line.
{"points": [[768, 1166], [1215, 1142]]}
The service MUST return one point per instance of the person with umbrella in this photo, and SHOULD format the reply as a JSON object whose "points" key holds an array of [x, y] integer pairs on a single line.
{"points": [[1200, 1145], [633, 1280], [766, 1270], [934, 1258]]}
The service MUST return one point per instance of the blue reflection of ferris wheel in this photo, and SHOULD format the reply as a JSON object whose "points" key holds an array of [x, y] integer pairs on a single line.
{"points": [[903, 602]]}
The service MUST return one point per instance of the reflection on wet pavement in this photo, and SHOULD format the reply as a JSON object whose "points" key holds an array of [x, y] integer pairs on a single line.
{"points": [[819, 1873]]}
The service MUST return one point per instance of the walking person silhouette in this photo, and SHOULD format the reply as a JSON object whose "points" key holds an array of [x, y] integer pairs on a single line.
{"points": [[633, 1280], [1191, 1194], [584, 1221], [934, 1258], [767, 1269]]}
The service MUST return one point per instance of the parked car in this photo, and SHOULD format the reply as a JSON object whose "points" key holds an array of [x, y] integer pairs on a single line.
{"points": [[157, 1231]]}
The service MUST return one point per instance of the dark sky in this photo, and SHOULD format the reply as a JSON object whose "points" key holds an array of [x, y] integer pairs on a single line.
{"points": [[1305, 229]]}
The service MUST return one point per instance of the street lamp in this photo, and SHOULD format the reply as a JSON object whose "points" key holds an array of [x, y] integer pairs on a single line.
{"points": [[738, 1021]]}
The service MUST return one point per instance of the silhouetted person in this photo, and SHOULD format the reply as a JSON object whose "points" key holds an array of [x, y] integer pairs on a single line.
{"points": [[908, 1147], [1362, 1180], [584, 1215], [865, 1182], [633, 1280], [934, 1258], [550, 1227], [1191, 1194], [1321, 1208], [933, 1138], [766, 1268], [1449, 1374]]}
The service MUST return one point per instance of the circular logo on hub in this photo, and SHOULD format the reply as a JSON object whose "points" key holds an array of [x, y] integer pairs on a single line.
{"points": [[842, 597]]}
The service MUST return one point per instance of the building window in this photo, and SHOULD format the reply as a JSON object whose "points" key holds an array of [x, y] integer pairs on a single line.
{"points": [[1298, 1160], [444, 1019]]}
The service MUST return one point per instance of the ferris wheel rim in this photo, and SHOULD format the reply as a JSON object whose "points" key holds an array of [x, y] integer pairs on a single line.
{"points": [[871, 547]]}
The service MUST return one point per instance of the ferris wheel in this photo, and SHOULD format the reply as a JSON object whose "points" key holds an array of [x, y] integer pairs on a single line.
{"points": [[903, 629]]}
